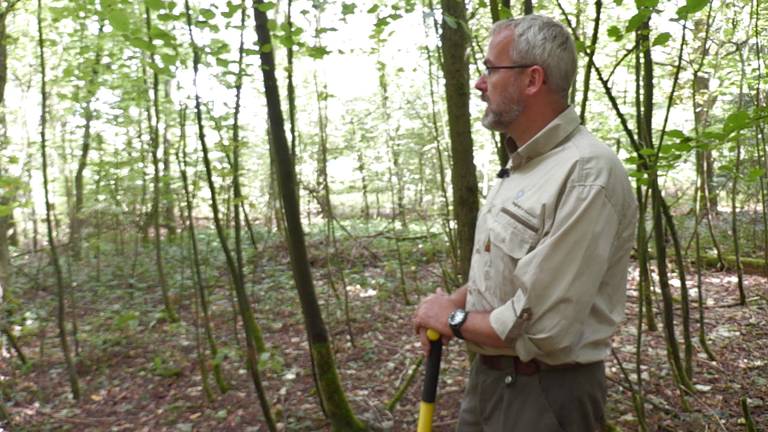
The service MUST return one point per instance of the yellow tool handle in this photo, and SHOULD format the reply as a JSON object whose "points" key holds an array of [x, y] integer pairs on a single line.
{"points": [[429, 392]]}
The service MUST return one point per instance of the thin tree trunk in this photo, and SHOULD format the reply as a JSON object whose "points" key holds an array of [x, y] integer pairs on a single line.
{"points": [[77, 221], [699, 287], [6, 220], [198, 276], [760, 129], [291, 91], [154, 132], [337, 408], [644, 283], [464, 178], [437, 137], [645, 62], [588, 71], [253, 341], [60, 311], [734, 192]]}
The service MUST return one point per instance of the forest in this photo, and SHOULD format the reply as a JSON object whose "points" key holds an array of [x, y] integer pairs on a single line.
{"points": [[222, 214]]}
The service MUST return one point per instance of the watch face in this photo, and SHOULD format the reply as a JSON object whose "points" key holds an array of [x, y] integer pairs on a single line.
{"points": [[457, 317]]}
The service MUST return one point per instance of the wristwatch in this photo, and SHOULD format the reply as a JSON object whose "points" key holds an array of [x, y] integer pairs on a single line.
{"points": [[456, 319]]}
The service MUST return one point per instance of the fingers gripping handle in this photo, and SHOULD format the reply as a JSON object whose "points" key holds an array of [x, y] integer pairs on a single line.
{"points": [[429, 392]]}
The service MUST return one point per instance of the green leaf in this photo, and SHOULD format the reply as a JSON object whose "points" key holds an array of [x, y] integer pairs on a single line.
{"points": [[120, 20], [266, 7], [682, 13], [5, 210], [266, 48], [646, 3], [615, 33], [647, 151], [317, 52], [755, 174], [166, 17], [207, 14], [154, 4], [681, 147], [504, 13], [223, 63], [272, 25], [141, 44], [373, 9], [162, 35], [169, 59], [695, 5], [248, 51], [639, 18], [348, 8], [713, 135], [661, 39], [675, 133], [736, 121], [581, 46]]}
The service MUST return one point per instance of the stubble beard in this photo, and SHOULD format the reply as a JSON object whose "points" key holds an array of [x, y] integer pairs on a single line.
{"points": [[500, 119]]}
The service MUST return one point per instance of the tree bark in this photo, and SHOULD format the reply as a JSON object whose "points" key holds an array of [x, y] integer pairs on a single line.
{"points": [[337, 408], [60, 311], [455, 41], [76, 222], [253, 340], [154, 132], [6, 220]]}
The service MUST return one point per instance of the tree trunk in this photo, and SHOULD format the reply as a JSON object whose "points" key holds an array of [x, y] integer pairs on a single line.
{"points": [[337, 408], [77, 221], [734, 190], [154, 132], [6, 216], [437, 137], [198, 275], [644, 74], [60, 311], [253, 340], [455, 41]]}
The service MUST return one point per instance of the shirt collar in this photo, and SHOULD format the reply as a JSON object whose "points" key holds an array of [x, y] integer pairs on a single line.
{"points": [[548, 138]]}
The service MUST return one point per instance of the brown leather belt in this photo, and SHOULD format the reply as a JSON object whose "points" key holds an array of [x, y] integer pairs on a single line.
{"points": [[532, 367]]}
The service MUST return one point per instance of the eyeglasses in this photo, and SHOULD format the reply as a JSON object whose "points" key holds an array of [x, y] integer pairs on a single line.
{"points": [[489, 69]]}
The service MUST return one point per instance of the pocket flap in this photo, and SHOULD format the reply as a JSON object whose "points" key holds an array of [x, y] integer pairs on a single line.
{"points": [[512, 237]]}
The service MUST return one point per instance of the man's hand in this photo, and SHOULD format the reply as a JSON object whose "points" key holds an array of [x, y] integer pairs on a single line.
{"points": [[433, 313]]}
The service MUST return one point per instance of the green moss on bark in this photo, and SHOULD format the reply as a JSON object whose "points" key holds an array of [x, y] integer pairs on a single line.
{"points": [[336, 404]]}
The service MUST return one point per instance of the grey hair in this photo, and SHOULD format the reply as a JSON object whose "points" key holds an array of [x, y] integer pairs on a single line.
{"points": [[543, 41]]}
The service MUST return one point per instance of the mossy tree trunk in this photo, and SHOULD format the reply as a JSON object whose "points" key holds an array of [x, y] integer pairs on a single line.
{"points": [[253, 339], [334, 400]]}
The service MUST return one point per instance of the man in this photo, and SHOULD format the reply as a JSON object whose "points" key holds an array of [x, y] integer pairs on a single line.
{"points": [[547, 283]]}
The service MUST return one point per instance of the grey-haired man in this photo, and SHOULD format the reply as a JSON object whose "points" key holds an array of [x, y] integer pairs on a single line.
{"points": [[546, 288]]}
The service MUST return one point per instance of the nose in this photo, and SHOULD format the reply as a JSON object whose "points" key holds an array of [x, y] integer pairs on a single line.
{"points": [[481, 84]]}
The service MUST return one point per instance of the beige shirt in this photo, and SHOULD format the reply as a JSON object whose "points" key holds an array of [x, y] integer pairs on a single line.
{"points": [[552, 246]]}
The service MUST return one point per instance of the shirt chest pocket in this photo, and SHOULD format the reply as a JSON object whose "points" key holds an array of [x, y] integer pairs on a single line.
{"points": [[512, 235]]}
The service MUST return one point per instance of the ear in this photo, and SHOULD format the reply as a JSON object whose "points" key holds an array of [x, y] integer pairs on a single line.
{"points": [[536, 80]]}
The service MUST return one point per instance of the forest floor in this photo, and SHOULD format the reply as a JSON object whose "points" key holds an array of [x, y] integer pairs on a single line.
{"points": [[138, 372]]}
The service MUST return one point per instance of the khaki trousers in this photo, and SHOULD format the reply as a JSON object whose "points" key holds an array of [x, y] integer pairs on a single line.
{"points": [[553, 400]]}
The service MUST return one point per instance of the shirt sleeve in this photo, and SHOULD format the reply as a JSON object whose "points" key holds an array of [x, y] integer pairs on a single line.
{"points": [[558, 280]]}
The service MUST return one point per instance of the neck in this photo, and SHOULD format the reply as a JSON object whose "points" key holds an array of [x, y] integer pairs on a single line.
{"points": [[533, 119]]}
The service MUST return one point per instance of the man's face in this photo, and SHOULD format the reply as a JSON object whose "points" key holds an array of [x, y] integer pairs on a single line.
{"points": [[501, 88]]}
